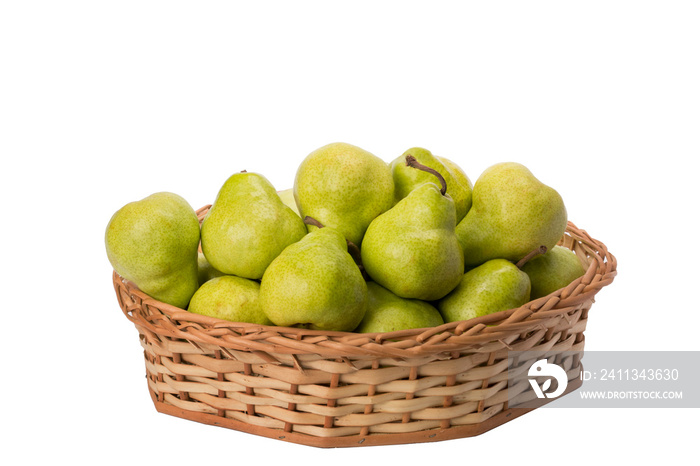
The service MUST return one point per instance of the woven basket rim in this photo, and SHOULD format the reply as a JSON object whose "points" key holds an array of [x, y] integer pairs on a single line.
{"points": [[164, 319]]}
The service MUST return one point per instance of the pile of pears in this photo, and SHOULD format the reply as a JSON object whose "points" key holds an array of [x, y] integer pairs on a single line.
{"points": [[358, 244]]}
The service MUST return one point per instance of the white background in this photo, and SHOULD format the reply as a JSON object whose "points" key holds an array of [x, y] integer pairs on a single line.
{"points": [[103, 103]]}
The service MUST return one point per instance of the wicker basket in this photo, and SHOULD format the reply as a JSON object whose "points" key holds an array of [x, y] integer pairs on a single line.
{"points": [[341, 389]]}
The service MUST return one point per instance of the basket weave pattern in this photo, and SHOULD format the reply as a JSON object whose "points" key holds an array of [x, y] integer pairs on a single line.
{"points": [[332, 389]]}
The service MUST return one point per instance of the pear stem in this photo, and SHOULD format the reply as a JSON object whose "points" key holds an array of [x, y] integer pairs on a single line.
{"points": [[530, 255], [412, 162], [354, 252], [312, 221]]}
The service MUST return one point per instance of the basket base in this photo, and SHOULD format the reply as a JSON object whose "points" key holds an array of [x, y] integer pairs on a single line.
{"points": [[433, 435]]}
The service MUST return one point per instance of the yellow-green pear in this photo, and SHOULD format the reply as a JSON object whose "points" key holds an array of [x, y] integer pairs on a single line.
{"points": [[315, 283], [153, 243], [512, 213], [247, 226], [387, 312], [496, 285], [462, 180], [230, 298], [552, 271], [343, 187], [407, 178], [412, 249]]}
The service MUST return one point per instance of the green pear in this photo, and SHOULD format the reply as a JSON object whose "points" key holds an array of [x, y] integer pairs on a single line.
{"points": [[462, 180], [247, 226], [230, 298], [412, 249], [387, 312], [315, 283], [407, 178], [552, 271], [496, 285], [512, 213], [343, 187], [205, 271], [153, 243], [287, 196]]}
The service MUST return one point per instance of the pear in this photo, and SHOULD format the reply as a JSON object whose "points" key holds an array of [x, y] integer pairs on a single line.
{"points": [[205, 271], [343, 187], [462, 180], [552, 271], [387, 312], [247, 226], [512, 213], [230, 298], [153, 243], [496, 285], [287, 196], [407, 178], [315, 283], [412, 249]]}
